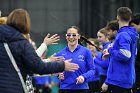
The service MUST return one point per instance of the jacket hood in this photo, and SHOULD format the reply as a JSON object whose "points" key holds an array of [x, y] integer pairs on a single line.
{"points": [[131, 31], [10, 34]]}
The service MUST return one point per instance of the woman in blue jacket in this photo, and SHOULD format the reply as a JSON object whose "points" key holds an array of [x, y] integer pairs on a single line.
{"points": [[18, 24], [93, 82], [76, 82], [103, 63]]}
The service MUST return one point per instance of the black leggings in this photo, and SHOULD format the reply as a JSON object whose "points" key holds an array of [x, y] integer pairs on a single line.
{"points": [[101, 82], [93, 87]]}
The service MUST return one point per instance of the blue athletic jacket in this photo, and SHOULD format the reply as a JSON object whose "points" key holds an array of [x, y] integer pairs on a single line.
{"points": [[83, 57], [97, 69], [121, 71], [103, 63]]}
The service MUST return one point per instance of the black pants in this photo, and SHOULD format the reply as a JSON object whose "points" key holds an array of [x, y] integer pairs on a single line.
{"points": [[93, 87], [102, 80], [73, 91], [116, 89]]}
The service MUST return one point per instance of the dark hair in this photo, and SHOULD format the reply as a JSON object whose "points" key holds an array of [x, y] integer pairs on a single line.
{"points": [[75, 27], [94, 40], [112, 25], [124, 13], [19, 18], [136, 19]]}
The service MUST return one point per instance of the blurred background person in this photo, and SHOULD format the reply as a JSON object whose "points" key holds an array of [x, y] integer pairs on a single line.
{"points": [[135, 22], [103, 63], [93, 82], [112, 28]]}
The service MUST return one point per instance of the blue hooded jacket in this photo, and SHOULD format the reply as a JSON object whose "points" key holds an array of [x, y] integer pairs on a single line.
{"points": [[121, 71]]}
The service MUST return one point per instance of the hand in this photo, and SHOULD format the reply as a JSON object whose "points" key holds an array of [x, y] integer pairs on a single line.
{"points": [[70, 66], [105, 51], [104, 87], [105, 54], [80, 80], [61, 76], [56, 59], [94, 54], [51, 40]]}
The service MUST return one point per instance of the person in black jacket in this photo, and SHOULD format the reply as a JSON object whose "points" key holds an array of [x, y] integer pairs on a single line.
{"points": [[17, 25]]}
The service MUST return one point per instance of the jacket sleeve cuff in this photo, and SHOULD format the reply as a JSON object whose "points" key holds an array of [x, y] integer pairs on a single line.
{"points": [[62, 67], [41, 49], [46, 60], [96, 60], [106, 82], [110, 50]]}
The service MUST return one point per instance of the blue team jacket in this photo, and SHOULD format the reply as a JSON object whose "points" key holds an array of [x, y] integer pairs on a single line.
{"points": [[103, 63], [121, 70], [83, 57], [97, 69]]}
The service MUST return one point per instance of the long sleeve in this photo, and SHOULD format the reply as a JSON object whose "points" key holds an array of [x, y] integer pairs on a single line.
{"points": [[122, 52], [34, 63], [102, 63], [90, 66]]}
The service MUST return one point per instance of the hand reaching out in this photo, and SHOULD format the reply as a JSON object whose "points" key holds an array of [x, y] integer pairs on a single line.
{"points": [[70, 66], [56, 59], [51, 40]]}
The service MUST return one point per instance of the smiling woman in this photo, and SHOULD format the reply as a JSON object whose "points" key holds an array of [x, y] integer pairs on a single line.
{"points": [[72, 37], [75, 82]]}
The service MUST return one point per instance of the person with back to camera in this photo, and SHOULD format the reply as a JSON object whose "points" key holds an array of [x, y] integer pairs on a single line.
{"points": [[17, 25], [121, 71]]}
